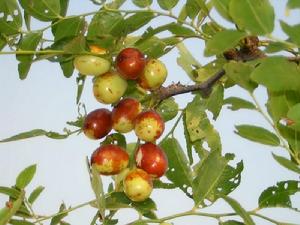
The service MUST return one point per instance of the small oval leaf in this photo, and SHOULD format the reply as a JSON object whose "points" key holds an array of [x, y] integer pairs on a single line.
{"points": [[25, 177]]}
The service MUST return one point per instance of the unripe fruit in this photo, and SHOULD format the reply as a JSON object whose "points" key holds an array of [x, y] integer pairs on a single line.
{"points": [[149, 126], [97, 124], [109, 87], [154, 75], [152, 159], [91, 65], [137, 185], [98, 50], [124, 114], [110, 159], [130, 63]]}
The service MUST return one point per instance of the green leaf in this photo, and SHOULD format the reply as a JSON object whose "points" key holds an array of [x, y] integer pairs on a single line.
{"points": [[239, 210], [223, 41], [67, 28], [288, 164], [285, 73], [28, 42], [240, 73], [57, 219], [193, 8], [25, 177], [188, 142], [293, 4], [257, 134], [222, 6], [27, 19], [209, 70], [279, 195], [76, 46], [145, 206], [67, 67], [161, 185], [11, 21], [97, 187], [187, 61], [168, 109], [231, 222], [236, 103], [80, 80], [276, 47], [167, 4], [3, 42], [291, 135], [215, 101], [35, 194], [294, 115], [247, 15], [142, 3], [64, 4], [116, 138], [12, 192], [117, 200], [292, 31], [7, 213], [208, 176], [20, 222], [179, 171], [34, 133], [44, 10]]}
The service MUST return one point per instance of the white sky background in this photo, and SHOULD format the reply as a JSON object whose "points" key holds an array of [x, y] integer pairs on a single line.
{"points": [[46, 100]]}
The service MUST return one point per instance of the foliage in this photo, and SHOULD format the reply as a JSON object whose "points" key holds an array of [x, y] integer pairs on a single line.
{"points": [[200, 169]]}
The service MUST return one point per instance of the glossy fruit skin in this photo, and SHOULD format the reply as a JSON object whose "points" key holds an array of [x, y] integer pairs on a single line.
{"points": [[109, 87], [91, 65], [149, 126], [110, 159], [154, 75], [138, 185], [97, 123], [124, 114], [152, 159], [130, 63]]}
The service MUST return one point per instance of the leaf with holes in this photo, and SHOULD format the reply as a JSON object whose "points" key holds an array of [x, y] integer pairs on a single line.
{"points": [[168, 109], [44, 10], [179, 171], [208, 176], [10, 17], [279, 195], [236, 103], [247, 15]]}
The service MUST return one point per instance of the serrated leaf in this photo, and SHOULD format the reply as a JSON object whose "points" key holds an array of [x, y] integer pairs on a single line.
{"points": [[257, 134], [292, 31], [57, 219], [35, 194], [222, 41], [142, 3], [293, 4], [179, 171], [187, 61], [236, 103], [25, 177], [44, 10], [285, 73], [97, 187], [12, 192], [208, 176], [167, 4], [11, 21], [20, 222], [222, 6], [239, 210], [66, 28], [168, 109], [7, 213], [288, 164], [240, 73], [247, 15], [279, 195]]}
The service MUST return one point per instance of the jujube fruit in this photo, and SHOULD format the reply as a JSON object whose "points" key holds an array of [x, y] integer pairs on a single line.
{"points": [[97, 123], [124, 114], [149, 126], [152, 159], [91, 65], [109, 87], [130, 63], [137, 185], [110, 159]]}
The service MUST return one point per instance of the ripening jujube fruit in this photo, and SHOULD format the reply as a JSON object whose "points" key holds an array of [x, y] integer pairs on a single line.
{"points": [[154, 75], [149, 126], [138, 185], [130, 63], [91, 65], [124, 114], [98, 50], [109, 87], [110, 159], [97, 123], [152, 159]]}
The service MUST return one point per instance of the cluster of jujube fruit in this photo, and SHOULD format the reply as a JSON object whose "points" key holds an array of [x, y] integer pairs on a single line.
{"points": [[127, 115]]}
